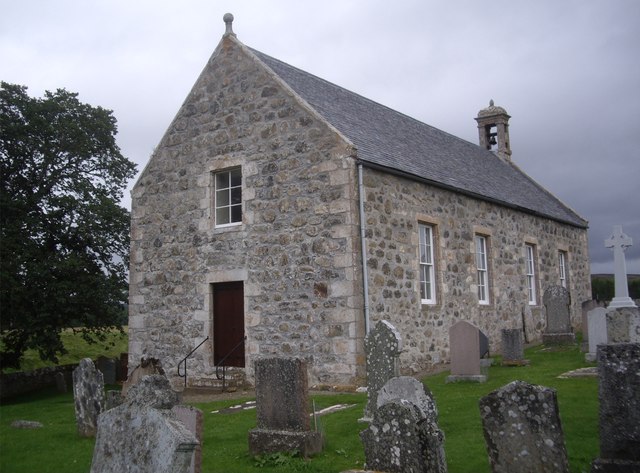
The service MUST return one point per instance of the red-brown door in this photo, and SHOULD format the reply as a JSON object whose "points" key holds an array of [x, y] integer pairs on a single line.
{"points": [[228, 323]]}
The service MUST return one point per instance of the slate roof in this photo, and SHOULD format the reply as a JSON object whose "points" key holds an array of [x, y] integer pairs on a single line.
{"points": [[387, 139]]}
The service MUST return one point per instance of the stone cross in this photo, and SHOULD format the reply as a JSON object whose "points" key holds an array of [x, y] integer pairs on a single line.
{"points": [[620, 242]]}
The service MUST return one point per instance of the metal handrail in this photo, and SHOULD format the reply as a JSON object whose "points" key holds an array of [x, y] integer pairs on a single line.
{"points": [[184, 360], [221, 364]]}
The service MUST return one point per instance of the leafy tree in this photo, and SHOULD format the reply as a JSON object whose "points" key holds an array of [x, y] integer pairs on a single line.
{"points": [[64, 239]]}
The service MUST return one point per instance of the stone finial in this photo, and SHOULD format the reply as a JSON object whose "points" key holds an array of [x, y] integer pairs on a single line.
{"points": [[228, 21]]}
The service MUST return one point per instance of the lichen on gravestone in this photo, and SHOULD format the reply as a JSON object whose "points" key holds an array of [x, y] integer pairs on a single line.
{"points": [[89, 397], [382, 347], [522, 429]]}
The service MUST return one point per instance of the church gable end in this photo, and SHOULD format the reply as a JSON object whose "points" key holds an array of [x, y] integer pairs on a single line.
{"points": [[247, 186]]}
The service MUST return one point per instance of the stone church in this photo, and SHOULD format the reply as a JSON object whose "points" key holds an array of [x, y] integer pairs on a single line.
{"points": [[281, 214]]}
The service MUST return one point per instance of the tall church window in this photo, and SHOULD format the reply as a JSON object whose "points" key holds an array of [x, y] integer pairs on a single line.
{"points": [[531, 274], [562, 267], [482, 269], [427, 265], [228, 197]]}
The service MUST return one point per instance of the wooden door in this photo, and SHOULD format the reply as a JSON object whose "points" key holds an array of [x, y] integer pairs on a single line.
{"points": [[228, 323]]}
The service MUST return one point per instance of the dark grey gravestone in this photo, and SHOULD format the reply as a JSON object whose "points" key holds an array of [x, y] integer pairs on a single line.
{"points": [[61, 383], [108, 368], [512, 347], [142, 434], [558, 331], [382, 347], [483, 341], [410, 389], [113, 399], [88, 396], [619, 393], [282, 409], [397, 440], [522, 429]]}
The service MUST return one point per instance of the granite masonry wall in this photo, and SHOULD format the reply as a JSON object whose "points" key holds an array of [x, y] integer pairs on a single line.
{"points": [[295, 251], [395, 206]]}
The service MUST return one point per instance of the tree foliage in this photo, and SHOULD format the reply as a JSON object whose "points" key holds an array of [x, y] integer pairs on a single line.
{"points": [[64, 238]]}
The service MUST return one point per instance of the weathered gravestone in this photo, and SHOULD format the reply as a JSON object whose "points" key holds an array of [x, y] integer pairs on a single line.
{"points": [[522, 429], [623, 325], [192, 419], [147, 366], [113, 399], [282, 409], [597, 328], [61, 383], [403, 435], [513, 348], [587, 306], [88, 396], [557, 303], [382, 347], [142, 434], [107, 367], [619, 394], [464, 347]]}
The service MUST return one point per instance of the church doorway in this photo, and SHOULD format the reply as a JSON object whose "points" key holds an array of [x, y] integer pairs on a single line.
{"points": [[228, 323]]}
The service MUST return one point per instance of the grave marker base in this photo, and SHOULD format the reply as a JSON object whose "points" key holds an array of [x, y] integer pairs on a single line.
{"points": [[263, 441], [558, 338]]}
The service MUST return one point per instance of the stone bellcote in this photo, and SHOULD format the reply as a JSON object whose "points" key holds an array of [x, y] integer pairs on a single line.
{"points": [[493, 129]]}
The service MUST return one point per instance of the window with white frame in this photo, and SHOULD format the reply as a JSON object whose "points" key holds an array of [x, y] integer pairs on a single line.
{"points": [[562, 266], [482, 269], [228, 197], [531, 274], [427, 265]]}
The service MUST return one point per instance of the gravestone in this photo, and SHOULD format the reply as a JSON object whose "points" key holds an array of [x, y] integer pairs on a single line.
{"points": [[282, 409], [619, 242], [192, 420], [88, 396], [431, 437], [522, 429], [113, 399], [464, 346], [619, 394], [513, 348], [61, 383], [142, 434], [623, 325], [382, 347], [108, 368], [587, 306], [147, 366], [399, 440], [597, 328], [557, 303]]}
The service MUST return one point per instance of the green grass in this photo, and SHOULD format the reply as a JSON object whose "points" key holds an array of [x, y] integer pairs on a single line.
{"points": [[57, 448], [77, 349]]}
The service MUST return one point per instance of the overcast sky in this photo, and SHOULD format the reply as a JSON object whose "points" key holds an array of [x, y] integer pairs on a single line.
{"points": [[567, 71]]}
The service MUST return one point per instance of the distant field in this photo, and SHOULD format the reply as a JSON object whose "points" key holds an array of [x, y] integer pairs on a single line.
{"points": [[78, 348]]}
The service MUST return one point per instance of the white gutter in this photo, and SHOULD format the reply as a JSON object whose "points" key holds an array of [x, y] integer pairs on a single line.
{"points": [[363, 247]]}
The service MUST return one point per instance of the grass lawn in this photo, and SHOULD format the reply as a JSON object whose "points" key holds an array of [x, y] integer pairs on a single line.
{"points": [[57, 448], [78, 349]]}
